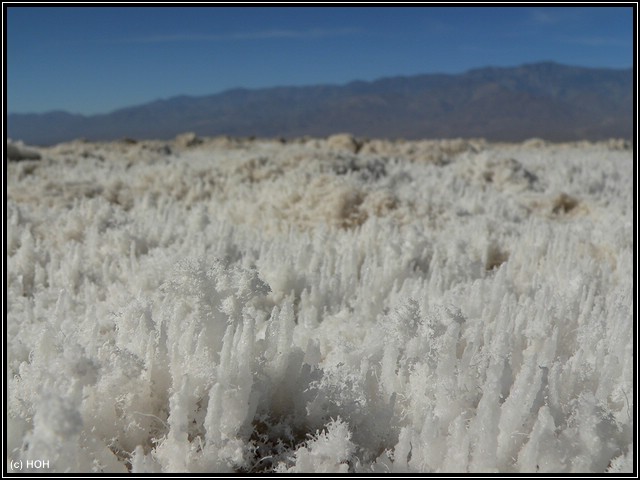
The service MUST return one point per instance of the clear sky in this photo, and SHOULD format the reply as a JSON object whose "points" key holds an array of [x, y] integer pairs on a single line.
{"points": [[97, 59]]}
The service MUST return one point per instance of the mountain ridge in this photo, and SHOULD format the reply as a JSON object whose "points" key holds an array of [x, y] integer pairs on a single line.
{"points": [[547, 100]]}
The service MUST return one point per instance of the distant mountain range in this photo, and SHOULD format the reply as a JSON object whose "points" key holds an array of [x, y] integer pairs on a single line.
{"points": [[546, 100]]}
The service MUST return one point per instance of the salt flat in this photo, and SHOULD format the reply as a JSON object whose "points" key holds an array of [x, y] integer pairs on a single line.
{"points": [[321, 305]]}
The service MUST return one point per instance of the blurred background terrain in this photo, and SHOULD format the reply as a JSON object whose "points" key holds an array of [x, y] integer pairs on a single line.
{"points": [[547, 100]]}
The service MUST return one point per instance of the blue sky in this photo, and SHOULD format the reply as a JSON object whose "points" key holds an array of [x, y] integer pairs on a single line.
{"points": [[97, 59]]}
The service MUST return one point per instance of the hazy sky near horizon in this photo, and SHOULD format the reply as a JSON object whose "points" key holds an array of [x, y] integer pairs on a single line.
{"points": [[97, 59]]}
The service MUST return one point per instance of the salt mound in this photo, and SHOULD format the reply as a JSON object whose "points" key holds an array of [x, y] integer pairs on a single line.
{"points": [[247, 305], [344, 141], [19, 151]]}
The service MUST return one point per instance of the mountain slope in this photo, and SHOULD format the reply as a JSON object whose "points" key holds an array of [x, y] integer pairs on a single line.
{"points": [[547, 100]]}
